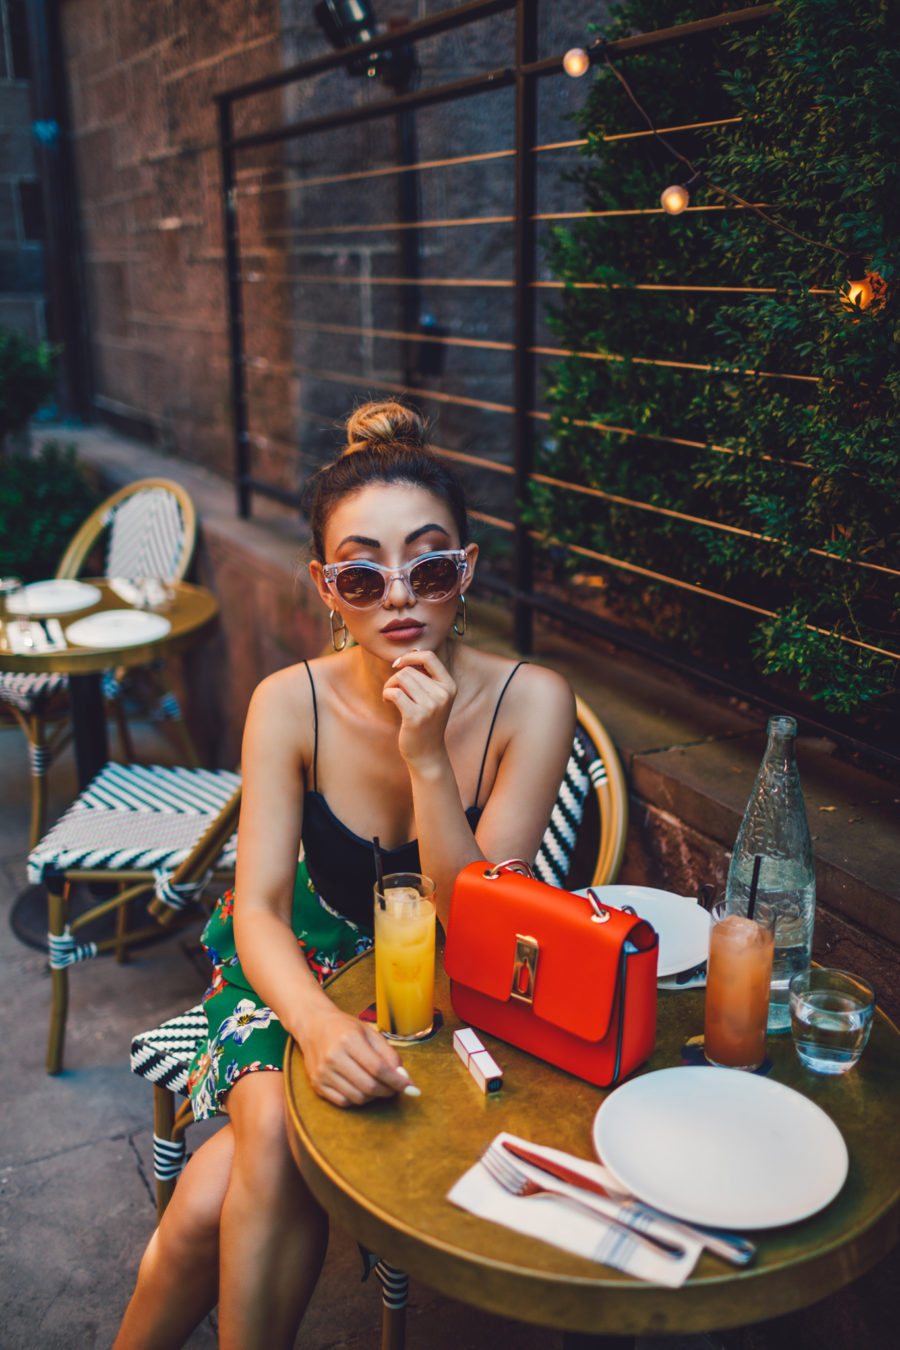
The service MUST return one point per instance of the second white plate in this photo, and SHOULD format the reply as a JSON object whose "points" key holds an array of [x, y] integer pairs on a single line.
{"points": [[59, 595], [117, 628], [682, 925], [721, 1147]]}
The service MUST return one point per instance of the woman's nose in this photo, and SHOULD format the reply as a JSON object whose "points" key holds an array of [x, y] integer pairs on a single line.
{"points": [[396, 591]]}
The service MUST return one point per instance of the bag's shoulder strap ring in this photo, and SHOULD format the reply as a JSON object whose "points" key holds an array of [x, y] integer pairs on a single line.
{"points": [[510, 865]]}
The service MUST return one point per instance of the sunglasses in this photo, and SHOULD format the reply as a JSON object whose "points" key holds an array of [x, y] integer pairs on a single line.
{"points": [[434, 576]]}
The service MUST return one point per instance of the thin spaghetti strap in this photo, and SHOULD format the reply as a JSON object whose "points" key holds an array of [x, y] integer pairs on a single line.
{"points": [[491, 728], [315, 730]]}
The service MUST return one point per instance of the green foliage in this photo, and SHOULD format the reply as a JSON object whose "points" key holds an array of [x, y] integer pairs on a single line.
{"points": [[27, 376], [43, 500], [775, 418]]}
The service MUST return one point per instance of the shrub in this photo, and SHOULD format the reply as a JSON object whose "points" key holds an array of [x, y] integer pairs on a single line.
{"points": [[43, 499]]}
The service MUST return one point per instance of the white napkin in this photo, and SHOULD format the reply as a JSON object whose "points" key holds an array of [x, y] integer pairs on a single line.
{"points": [[145, 593], [30, 637], [570, 1226]]}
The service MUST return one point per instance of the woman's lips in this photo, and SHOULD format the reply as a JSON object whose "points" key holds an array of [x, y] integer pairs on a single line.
{"points": [[401, 630]]}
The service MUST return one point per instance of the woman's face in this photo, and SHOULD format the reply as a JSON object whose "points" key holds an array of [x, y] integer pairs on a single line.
{"points": [[392, 524]]}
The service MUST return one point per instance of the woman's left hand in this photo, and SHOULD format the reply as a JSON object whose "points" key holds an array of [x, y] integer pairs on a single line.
{"points": [[423, 691]]}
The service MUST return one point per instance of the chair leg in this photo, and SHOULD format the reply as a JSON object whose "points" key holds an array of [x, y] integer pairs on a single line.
{"points": [[123, 916], [395, 1293], [57, 911], [169, 711], [39, 755], [168, 1145]]}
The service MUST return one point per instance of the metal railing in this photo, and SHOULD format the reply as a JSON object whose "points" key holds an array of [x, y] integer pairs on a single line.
{"points": [[248, 181]]}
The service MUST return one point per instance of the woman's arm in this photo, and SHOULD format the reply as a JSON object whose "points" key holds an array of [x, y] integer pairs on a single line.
{"points": [[347, 1061], [534, 735]]}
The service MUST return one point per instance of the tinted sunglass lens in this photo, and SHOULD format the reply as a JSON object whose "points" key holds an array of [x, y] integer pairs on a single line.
{"points": [[360, 585], [433, 578]]}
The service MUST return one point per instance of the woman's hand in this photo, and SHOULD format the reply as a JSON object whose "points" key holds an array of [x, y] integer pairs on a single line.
{"points": [[423, 692], [348, 1062]]}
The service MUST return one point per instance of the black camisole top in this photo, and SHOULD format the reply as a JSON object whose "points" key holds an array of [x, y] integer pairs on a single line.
{"points": [[340, 863]]}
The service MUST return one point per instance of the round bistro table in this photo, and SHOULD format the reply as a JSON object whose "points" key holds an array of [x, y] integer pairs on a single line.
{"points": [[191, 613], [383, 1173]]}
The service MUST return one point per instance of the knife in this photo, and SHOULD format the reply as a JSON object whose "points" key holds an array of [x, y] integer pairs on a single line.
{"points": [[729, 1246]]}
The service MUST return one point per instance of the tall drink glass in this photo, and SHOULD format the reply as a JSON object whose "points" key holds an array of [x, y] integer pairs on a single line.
{"points": [[738, 974], [404, 956]]}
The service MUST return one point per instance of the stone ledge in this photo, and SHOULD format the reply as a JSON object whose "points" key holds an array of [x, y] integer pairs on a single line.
{"points": [[690, 759]]}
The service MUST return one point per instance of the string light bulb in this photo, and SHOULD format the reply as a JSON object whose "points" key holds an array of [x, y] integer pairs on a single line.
{"points": [[674, 199], [576, 62], [863, 289]]}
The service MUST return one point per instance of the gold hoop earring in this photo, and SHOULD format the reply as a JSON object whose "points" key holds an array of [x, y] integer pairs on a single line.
{"points": [[338, 631], [460, 617]]}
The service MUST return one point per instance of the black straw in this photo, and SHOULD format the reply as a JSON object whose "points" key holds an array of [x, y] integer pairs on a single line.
{"points": [[379, 871], [754, 883]]}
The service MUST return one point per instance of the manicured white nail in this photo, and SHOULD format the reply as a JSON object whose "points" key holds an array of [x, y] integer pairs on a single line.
{"points": [[410, 1090]]}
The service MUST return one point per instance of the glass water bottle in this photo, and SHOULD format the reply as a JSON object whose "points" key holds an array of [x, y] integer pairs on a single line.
{"points": [[775, 827]]}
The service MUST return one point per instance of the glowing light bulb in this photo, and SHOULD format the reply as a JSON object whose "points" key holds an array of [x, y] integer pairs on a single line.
{"points": [[858, 293], [674, 199], [576, 62]]}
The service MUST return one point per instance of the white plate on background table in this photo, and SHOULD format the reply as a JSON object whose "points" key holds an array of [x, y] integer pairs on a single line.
{"points": [[117, 628], [721, 1147], [57, 596], [681, 924]]}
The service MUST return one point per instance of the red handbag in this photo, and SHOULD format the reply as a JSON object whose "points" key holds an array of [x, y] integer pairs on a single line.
{"points": [[556, 974]]}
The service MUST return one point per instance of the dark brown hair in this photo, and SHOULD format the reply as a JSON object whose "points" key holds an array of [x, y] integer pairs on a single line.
{"points": [[385, 444]]}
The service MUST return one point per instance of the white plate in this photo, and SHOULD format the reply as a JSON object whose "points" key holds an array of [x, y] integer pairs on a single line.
{"points": [[721, 1147], [117, 628], [682, 924], [57, 596]]}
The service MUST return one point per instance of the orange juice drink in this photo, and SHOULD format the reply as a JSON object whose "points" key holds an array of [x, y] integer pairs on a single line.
{"points": [[404, 956], [738, 974]]}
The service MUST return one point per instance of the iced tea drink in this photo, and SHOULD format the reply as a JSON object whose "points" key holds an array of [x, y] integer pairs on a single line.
{"points": [[404, 956], [738, 974]]}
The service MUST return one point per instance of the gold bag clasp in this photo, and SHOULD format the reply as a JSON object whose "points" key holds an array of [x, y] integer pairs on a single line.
{"points": [[524, 969]]}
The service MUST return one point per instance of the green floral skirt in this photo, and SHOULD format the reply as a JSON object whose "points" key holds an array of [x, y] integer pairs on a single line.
{"points": [[245, 1036]]}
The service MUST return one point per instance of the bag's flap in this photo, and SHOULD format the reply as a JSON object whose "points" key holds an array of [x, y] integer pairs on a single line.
{"points": [[578, 960]]}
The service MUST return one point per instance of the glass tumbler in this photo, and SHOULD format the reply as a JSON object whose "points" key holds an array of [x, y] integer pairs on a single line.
{"points": [[831, 1017], [404, 956], [738, 974]]}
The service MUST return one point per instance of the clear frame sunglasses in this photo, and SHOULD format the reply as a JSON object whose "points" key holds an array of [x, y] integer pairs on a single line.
{"points": [[434, 576]]}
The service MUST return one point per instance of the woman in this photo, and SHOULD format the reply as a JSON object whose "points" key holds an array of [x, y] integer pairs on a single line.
{"points": [[407, 735]]}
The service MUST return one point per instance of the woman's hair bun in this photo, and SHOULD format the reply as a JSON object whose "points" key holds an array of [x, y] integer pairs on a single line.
{"points": [[386, 423]]}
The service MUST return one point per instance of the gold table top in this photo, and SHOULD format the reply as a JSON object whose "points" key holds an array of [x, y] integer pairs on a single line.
{"points": [[383, 1172], [191, 613]]}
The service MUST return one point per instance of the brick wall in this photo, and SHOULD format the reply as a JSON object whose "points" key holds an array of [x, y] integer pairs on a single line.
{"points": [[21, 225], [141, 80]]}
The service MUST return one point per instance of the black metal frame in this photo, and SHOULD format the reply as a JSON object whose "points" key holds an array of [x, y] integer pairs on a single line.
{"points": [[523, 77]]}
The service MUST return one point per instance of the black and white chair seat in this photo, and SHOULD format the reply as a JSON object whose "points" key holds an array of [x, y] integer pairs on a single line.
{"points": [[135, 817], [144, 828]]}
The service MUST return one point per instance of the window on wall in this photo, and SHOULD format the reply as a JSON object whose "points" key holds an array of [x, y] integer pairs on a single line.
{"points": [[17, 55]]}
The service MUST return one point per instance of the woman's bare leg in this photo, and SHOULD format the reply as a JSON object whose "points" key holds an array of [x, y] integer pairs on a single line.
{"points": [[178, 1280], [273, 1233]]}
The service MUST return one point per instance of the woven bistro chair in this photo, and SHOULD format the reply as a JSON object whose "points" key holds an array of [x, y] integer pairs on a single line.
{"points": [[146, 529], [148, 830], [583, 846]]}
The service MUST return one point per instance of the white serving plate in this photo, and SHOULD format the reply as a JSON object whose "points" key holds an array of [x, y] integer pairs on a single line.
{"points": [[681, 924], [57, 596], [117, 628], [721, 1147]]}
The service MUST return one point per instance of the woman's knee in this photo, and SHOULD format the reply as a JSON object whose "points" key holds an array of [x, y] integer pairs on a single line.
{"points": [[262, 1154]]}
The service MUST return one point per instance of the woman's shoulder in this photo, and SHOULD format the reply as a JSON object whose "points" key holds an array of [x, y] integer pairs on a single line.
{"points": [[526, 686]]}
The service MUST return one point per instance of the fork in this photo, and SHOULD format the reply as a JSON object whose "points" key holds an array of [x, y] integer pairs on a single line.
{"points": [[507, 1175]]}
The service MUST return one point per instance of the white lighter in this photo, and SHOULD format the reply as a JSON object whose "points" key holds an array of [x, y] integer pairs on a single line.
{"points": [[481, 1065]]}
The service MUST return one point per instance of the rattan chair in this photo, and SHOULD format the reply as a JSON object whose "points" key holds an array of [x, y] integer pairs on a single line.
{"points": [[583, 846], [147, 830], [145, 529]]}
